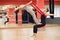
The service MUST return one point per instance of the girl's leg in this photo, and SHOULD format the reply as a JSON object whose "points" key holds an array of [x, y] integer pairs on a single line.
{"points": [[35, 28], [32, 12]]}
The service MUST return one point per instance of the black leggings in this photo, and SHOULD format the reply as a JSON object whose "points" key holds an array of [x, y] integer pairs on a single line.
{"points": [[36, 27]]}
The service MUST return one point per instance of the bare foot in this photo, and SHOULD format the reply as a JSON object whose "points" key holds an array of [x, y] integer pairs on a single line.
{"points": [[34, 35]]}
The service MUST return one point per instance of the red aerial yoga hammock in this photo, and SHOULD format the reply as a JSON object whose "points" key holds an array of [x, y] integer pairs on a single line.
{"points": [[35, 6], [42, 13]]}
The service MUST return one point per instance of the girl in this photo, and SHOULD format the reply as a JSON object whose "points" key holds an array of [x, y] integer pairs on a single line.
{"points": [[3, 16], [43, 21]]}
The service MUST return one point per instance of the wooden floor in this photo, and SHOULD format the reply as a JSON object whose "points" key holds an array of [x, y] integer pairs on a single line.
{"points": [[25, 32]]}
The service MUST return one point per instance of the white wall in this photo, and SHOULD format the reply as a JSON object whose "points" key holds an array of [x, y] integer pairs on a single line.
{"points": [[57, 11]]}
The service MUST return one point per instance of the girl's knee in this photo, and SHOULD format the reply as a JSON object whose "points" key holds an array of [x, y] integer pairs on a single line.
{"points": [[43, 24], [35, 26]]}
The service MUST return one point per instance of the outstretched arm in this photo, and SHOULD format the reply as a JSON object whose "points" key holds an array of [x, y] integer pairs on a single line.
{"points": [[47, 14], [46, 11], [28, 3], [22, 6]]}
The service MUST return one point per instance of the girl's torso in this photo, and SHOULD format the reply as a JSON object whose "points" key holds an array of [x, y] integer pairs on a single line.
{"points": [[43, 19]]}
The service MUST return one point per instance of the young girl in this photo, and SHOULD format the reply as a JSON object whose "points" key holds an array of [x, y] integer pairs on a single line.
{"points": [[43, 21], [29, 9], [3, 15]]}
